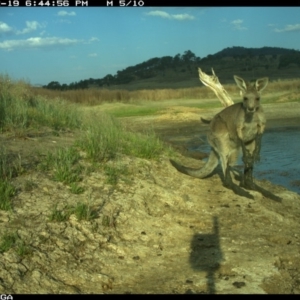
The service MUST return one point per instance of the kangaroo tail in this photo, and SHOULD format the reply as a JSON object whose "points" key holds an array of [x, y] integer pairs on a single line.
{"points": [[210, 165]]}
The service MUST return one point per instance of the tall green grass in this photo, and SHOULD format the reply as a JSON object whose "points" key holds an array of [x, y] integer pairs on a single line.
{"points": [[104, 138], [101, 139], [19, 109], [146, 145], [7, 190]]}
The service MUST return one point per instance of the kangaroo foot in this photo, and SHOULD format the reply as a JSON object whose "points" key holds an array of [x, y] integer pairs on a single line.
{"points": [[228, 183], [237, 190], [247, 180], [248, 185]]}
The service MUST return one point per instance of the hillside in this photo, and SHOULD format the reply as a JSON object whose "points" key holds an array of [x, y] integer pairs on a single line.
{"points": [[181, 71]]}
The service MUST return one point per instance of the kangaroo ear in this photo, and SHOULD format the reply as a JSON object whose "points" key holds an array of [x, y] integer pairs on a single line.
{"points": [[261, 83], [240, 83]]}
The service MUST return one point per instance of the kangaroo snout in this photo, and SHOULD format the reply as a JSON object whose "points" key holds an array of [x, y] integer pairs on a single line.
{"points": [[251, 109]]}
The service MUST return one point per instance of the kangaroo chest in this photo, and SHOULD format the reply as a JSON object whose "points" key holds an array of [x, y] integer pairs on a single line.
{"points": [[249, 131], [249, 127]]}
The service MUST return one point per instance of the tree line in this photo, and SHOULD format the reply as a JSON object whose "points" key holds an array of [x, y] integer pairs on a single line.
{"points": [[182, 62], [144, 70]]}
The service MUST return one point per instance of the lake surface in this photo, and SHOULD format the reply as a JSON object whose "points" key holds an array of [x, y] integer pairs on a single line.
{"points": [[279, 157]]}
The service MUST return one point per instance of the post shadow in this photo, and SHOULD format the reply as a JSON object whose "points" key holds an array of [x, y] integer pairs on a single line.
{"points": [[206, 254]]}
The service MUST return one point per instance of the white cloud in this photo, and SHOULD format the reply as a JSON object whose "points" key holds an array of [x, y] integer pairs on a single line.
{"points": [[165, 15], [37, 42], [93, 55], [63, 13], [237, 24], [182, 17], [93, 39], [295, 27], [30, 26], [159, 13], [4, 28]]}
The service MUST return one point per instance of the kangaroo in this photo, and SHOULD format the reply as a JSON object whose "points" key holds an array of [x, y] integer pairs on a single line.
{"points": [[239, 126]]}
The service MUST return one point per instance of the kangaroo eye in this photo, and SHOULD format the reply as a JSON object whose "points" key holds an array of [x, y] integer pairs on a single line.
{"points": [[257, 99], [245, 98]]}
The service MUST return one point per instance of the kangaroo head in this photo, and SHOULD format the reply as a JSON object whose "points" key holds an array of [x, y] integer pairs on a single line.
{"points": [[251, 92]]}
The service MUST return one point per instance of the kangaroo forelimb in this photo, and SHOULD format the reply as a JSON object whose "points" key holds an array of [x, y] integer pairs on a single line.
{"points": [[256, 152], [248, 159]]}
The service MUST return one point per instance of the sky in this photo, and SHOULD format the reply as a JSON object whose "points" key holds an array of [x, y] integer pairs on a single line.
{"points": [[69, 44]]}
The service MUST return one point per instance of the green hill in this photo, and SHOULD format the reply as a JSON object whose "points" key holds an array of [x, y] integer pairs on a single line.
{"points": [[181, 71]]}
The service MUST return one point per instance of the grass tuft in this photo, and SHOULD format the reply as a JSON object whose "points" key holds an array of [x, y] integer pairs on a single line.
{"points": [[64, 163], [8, 240], [84, 211], [12, 240], [60, 215], [81, 210], [101, 140]]}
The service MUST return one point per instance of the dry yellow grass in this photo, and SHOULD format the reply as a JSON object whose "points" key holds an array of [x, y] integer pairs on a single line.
{"points": [[99, 96]]}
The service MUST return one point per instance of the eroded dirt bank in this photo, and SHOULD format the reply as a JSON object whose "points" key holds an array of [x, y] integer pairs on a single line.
{"points": [[156, 231]]}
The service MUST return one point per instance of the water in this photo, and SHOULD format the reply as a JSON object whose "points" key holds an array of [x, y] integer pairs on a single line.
{"points": [[279, 157]]}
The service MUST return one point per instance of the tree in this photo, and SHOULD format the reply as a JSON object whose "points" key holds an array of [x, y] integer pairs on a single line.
{"points": [[166, 61], [177, 59], [64, 87], [53, 85], [108, 79], [188, 56]]}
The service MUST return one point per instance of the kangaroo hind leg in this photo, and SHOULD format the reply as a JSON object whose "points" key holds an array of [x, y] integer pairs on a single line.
{"points": [[221, 147], [248, 159]]}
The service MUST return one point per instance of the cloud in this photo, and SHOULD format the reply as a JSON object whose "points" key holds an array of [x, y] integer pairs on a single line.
{"points": [[30, 26], [63, 13], [159, 13], [182, 17], [237, 24], [93, 39], [38, 42], [295, 27], [4, 28], [93, 55], [165, 15]]}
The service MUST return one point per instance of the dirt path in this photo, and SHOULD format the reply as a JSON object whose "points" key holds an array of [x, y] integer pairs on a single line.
{"points": [[156, 231]]}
